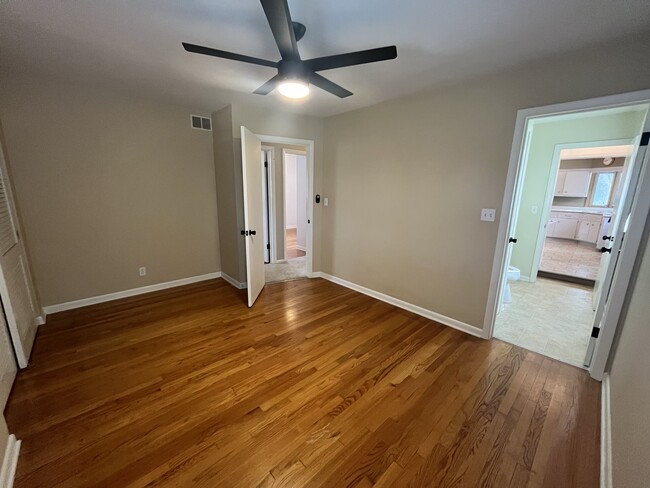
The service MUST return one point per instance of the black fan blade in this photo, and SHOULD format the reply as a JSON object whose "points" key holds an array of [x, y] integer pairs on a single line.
{"points": [[328, 86], [277, 13], [268, 87], [208, 51], [352, 59]]}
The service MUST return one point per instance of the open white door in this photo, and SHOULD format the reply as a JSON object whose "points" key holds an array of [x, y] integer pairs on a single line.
{"points": [[15, 279], [615, 272], [621, 208], [251, 148]]}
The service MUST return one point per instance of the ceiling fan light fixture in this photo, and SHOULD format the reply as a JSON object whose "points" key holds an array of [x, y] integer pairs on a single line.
{"points": [[294, 88]]}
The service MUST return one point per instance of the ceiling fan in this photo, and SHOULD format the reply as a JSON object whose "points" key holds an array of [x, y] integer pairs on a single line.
{"points": [[295, 74]]}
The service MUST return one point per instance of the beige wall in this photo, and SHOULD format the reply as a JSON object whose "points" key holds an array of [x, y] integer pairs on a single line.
{"points": [[407, 178], [107, 183], [228, 194], [630, 388]]}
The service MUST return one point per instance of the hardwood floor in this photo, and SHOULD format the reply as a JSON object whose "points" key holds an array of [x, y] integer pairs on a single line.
{"points": [[291, 237], [316, 385]]}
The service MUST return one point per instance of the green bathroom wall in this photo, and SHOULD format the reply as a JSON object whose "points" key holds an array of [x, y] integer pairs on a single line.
{"points": [[595, 126]]}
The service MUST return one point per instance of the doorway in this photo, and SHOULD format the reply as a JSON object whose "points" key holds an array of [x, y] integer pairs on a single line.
{"points": [[573, 187], [286, 213]]}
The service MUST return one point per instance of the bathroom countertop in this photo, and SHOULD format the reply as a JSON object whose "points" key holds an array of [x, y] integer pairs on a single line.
{"points": [[591, 210]]}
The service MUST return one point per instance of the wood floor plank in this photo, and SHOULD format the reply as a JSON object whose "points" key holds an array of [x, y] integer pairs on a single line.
{"points": [[316, 385]]}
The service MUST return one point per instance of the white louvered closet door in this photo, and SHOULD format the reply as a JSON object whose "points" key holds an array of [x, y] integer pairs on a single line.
{"points": [[15, 281], [7, 363]]}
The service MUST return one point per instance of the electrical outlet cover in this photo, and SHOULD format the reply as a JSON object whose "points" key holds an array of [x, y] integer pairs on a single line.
{"points": [[488, 214]]}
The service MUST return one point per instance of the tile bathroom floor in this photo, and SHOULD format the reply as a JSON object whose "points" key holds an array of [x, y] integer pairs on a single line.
{"points": [[550, 317], [569, 257]]}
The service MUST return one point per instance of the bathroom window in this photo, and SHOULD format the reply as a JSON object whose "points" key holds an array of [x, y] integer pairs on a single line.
{"points": [[603, 189]]}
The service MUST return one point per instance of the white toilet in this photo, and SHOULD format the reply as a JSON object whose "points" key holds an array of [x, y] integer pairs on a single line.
{"points": [[513, 275]]}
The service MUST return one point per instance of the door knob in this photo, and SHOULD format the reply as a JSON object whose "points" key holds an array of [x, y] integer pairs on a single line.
{"points": [[605, 249], [252, 232], [513, 240], [608, 238], [244, 232]]}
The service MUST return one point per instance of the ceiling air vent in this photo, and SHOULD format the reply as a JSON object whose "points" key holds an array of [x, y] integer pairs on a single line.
{"points": [[201, 123]]}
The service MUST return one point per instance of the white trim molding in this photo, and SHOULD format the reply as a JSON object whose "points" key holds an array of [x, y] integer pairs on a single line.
{"points": [[605, 434], [429, 314], [9, 463], [233, 281], [60, 307]]}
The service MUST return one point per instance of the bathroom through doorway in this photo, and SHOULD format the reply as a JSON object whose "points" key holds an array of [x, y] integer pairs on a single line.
{"points": [[577, 170]]}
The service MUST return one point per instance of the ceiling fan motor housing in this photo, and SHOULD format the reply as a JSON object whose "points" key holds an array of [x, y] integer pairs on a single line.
{"points": [[292, 70]]}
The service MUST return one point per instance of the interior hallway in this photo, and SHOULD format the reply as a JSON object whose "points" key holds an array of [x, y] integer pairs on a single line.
{"points": [[295, 265], [316, 386], [291, 239]]}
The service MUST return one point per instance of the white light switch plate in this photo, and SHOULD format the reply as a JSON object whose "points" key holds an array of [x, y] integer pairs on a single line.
{"points": [[488, 214]]}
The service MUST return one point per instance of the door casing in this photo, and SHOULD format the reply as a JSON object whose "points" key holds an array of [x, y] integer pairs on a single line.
{"points": [[309, 147]]}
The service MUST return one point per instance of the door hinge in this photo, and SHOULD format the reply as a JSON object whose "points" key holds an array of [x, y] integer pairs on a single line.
{"points": [[594, 332], [268, 246], [266, 165], [645, 138]]}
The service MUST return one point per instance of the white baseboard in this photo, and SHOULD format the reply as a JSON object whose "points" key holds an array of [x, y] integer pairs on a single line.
{"points": [[128, 293], [9, 463], [233, 281], [605, 434], [527, 279], [429, 314], [40, 320], [301, 248]]}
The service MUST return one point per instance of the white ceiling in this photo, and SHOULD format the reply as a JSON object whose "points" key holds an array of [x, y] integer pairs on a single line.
{"points": [[622, 151], [136, 45]]}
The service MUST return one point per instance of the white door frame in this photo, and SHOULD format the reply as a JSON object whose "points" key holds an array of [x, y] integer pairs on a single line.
{"points": [[550, 193], [309, 145], [514, 179]]}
